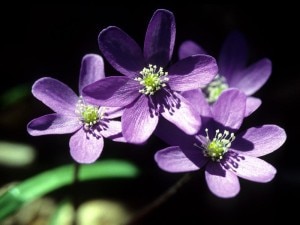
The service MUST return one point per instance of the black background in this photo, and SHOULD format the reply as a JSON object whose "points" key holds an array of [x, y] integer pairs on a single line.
{"points": [[50, 40]]}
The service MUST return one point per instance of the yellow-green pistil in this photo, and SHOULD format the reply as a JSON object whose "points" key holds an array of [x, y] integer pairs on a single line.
{"points": [[214, 89], [218, 146], [152, 79], [89, 115]]}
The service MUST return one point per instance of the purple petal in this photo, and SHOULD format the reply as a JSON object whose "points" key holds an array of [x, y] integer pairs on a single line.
{"points": [[198, 101], [160, 38], [189, 48], [184, 116], [56, 95], [229, 109], [121, 51], [264, 140], [115, 91], [222, 183], [113, 131], [252, 105], [233, 56], [253, 78], [192, 72], [172, 159], [53, 124], [92, 69], [138, 122], [254, 169], [85, 148]]}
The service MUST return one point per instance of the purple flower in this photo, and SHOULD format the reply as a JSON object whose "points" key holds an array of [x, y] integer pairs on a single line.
{"points": [[221, 149], [73, 114], [233, 69], [150, 87]]}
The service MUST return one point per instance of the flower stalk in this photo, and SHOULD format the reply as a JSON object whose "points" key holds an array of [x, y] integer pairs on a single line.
{"points": [[137, 217]]}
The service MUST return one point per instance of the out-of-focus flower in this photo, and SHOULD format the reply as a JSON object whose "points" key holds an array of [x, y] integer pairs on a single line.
{"points": [[234, 71]]}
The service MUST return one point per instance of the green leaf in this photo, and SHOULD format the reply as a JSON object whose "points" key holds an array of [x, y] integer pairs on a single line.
{"points": [[50, 180]]}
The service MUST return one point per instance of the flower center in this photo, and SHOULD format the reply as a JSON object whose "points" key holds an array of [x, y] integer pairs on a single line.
{"points": [[152, 79], [214, 89], [89, 115], [218, 146]]}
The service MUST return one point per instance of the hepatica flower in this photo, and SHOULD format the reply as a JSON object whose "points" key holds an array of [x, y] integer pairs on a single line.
{"points": [[72, 114], [225, 152], [150, 86], [233, 69]]}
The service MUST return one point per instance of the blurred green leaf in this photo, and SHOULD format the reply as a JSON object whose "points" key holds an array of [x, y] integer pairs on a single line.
{"points": [[64, 214], [14, 95]]}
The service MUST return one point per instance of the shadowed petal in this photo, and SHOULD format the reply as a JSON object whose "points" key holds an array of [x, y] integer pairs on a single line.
{"points": [[113, 112], [172, 135], [198, 101], [255, 169], [265, 139], [85, 148], [229, 109], [252, 104], [56, 95], [121, 51], [222, 183], [138, 123], [172, 159], [115, 91], [92, 69], [189, 48], [160, 38], [53, 124], [184, 116], [113, 131], [233, 56], [252, 78], [192, 72]]}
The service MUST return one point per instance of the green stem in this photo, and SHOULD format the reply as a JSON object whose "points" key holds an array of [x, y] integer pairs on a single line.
{"points": [[50, 180], [75, 190]]}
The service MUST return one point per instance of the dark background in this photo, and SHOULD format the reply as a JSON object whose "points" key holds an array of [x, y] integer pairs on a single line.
{"points": [[50, 40]]}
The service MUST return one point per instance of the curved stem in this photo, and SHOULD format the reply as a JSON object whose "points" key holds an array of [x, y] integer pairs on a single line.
{"points": [[160, 200], [41, 184]]}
